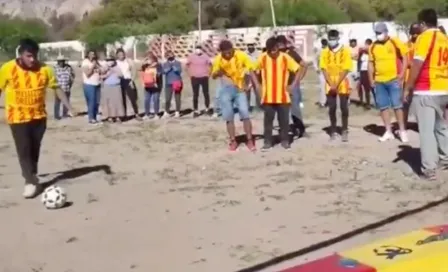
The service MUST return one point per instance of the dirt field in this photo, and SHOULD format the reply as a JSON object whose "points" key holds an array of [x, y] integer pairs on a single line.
{"points": [[166, 195]]}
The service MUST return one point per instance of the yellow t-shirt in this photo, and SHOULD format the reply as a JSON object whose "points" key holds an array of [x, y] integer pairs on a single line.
{"points": [[387, 59], [25, 91], [335, 63], [431, 47], [235, 68]]}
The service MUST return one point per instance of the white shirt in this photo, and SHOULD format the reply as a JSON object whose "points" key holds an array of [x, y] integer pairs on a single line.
{"points": [[364, 62], [94, 79], [125, 67]]}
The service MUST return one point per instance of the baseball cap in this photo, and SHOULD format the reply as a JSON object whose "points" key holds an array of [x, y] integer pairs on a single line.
{"points": [[380, 27]]}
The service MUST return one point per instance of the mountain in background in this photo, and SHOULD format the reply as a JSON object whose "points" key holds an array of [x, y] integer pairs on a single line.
{"points": [[45, 9]]}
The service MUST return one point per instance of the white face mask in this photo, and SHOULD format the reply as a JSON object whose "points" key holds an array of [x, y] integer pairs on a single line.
{"points": [[198, 51], [333, 43], [110, 63], [381, 37]]}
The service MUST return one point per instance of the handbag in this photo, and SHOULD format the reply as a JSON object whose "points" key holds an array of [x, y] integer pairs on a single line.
{"points": [[177, 86]]}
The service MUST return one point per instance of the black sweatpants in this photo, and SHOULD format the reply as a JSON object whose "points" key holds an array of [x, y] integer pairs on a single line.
{"points": [[332, 101], [196, 84], [130, 92], [282, 111], [27, 138]]}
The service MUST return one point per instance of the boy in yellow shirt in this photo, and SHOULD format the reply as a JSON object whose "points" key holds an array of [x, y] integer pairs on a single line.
{"points": [[336, 64], [25, 81]]}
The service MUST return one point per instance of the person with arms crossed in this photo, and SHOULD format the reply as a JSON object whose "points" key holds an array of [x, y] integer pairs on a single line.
{"points": [[25, 81], [275, 67], [336, 64], [428, 86], [387, 67], [231, 66], [296, 95]]}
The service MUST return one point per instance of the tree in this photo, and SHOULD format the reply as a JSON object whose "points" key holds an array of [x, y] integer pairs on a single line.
{"points": [[120, 19], [144, 17], [12, 30]]}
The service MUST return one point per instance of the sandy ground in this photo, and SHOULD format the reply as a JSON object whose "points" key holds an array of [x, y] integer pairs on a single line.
{"points": [[166, 195]]}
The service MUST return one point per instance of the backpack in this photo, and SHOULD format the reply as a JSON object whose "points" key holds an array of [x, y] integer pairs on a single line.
{"points": [[149, 78]]}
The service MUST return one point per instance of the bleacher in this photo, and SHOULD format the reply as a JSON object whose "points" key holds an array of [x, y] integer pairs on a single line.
{"points": [[302, 37]]}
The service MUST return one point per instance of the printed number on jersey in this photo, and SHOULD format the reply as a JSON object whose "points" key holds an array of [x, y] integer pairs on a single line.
{"points": [[442, 56]]}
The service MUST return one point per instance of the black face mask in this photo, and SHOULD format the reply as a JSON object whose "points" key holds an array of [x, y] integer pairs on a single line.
{"points": [[283, 49], [171, 58], [251, 49]]}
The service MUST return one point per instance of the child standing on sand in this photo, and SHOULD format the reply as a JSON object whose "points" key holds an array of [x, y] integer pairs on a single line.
{"points": [[151, 77]]}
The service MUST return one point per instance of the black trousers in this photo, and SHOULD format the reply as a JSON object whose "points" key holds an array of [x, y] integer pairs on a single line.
{"points": [[332, 101], [196, 84], [27, 138], [130, 92], [282, 111]]}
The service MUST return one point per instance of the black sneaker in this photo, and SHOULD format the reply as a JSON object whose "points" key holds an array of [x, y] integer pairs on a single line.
{"points": [[195, 114], [266, 147], [333, 136], [344, 136], [286, 145]]}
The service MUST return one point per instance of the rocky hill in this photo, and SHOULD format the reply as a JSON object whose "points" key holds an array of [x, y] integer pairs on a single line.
{"points": [[45, 9]]}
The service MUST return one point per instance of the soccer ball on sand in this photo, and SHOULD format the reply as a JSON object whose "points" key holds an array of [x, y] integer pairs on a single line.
{"points": [[54, 197]]}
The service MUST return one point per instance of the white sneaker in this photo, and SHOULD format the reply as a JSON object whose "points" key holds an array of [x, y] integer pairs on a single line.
{"points": [[145, 118], [165, 115], [215, 115], [386, 136], [404, 136], [177, 114], [30, 191]]}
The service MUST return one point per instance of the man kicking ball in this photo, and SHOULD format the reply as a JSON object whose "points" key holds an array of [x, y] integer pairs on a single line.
{"points": [[24, 81]]}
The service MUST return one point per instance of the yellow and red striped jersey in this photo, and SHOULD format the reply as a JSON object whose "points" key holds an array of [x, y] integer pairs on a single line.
{"points": [[431, 47], [275, 74]]}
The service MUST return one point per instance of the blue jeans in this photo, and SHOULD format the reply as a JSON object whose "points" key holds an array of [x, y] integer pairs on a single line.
{"points": [[92, 93], [231, 96], [388, 95], [217, 104], [296, 99], [57, 107], [152, 96]]}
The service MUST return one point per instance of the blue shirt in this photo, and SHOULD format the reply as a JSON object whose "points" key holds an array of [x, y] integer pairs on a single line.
{"points": [[113, 79], [172, 71]]}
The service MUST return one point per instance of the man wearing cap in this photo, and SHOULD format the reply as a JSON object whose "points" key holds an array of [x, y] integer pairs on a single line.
{"points": [[387, 67], [65, 76]]}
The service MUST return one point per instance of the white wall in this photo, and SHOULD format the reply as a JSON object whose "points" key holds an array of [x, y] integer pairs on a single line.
{"points": [[359, 31]]}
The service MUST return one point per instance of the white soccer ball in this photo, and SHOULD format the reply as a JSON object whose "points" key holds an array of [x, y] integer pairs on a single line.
{"points": [[54, 197]]}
